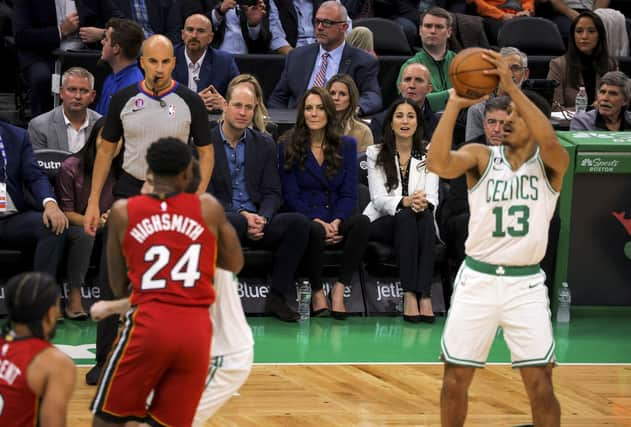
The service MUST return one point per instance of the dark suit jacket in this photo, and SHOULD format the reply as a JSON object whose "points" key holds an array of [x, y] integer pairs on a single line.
{"points": [[165, 16], [22, 169], [360, 65], [217, 69], [35, 25], [310, 192], [289, 18], [260, 45], [261, 173]]}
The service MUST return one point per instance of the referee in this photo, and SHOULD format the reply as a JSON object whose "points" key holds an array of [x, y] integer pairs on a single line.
{"points": [[156, 107]]}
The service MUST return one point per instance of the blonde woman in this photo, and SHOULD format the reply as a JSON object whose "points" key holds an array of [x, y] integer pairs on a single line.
{"points": [[261, 115], [346, 99]]}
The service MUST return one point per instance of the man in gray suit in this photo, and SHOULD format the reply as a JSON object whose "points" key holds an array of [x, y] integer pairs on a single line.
{"points": [[67, 126]]}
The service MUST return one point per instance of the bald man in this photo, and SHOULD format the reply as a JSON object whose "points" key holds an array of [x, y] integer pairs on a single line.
{"points": [[156, 107], [203, 69], [415, 84]]}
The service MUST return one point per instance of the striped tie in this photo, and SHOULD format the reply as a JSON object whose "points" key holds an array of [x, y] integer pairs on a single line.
{"points": [[320, 78]]}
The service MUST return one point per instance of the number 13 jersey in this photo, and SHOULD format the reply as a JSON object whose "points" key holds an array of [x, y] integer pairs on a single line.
{"points": [[170, 252], [510, 212]]}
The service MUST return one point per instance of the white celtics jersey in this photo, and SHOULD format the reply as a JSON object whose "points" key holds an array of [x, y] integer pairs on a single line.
{"points": [[510, 212], [231, 332]]}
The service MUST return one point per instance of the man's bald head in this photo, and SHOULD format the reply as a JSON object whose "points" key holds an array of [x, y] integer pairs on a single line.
{"points": [[159, 42], [415, 82], [157, 61], [197, 34]]}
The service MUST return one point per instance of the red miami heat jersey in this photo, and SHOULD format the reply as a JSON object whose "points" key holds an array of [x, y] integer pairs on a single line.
{"points": [[169, 250], [19, 406]]}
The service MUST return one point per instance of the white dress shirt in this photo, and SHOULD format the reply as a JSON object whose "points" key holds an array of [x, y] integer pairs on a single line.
{"points": [[333, 64], [193, 70], [76, 138], [63, 9]]}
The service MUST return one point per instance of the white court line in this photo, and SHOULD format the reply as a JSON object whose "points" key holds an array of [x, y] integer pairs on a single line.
{"points": [[401, 363]]}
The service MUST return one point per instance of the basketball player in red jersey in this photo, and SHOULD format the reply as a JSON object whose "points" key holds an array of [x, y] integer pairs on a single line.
{"points": [[36, 379], [166, 244]]}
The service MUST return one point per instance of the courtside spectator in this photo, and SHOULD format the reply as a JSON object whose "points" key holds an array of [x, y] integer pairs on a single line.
{"points": [[41, 26], [20, 223], [415, 85], [319, 177], [205, 70], [518, 63], [586, 60], [120, 48], [346, 99], [612, 102], [241, 28], [435, 30], [67, 126], [247, 184], [331, 55]]}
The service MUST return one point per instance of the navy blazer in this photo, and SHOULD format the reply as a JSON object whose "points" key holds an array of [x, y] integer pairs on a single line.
{"points": [[261, 173], [35, 25], [218, 69], [310, 192], [23, 172], [360, 65]]}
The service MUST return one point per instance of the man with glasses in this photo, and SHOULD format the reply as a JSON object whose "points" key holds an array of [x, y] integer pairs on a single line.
{"points": [[204, 70], [518, 63], [250, 192], [313, 65]]}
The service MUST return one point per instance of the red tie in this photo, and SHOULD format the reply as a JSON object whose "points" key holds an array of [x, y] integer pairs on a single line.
{"points": [[320, 78]]}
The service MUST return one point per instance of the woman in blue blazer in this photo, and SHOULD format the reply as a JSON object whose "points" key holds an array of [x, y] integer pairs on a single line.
{"points": [[403, 195], [318, 170]]}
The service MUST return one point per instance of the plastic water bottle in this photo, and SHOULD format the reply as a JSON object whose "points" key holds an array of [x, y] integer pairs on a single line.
{"points": [[565, 299], [580, 103], [304, 300]]}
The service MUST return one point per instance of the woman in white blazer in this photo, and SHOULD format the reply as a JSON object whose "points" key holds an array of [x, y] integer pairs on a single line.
{"points": [[403, 196]]}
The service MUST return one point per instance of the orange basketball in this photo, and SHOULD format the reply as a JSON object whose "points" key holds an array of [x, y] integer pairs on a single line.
{"points": [[467, 76]]}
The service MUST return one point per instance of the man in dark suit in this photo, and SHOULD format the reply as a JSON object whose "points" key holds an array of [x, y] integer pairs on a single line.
{"points": [[313, 65], [21, 223], [246, 182], [39, 31], [204, 70], [291, 23]]}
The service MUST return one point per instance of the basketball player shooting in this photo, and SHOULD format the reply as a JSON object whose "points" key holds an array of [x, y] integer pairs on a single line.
{"points": [[513, 190], [162, 242]]}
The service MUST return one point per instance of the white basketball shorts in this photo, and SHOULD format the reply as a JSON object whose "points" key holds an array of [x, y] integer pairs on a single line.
{"points": [[487, 296]]}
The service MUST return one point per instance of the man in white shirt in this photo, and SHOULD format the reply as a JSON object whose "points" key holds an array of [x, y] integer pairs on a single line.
{"points": [[67, 126], [203, 69]]}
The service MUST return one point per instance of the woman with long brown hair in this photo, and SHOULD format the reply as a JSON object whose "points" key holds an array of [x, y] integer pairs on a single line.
{"points": [[345, 96], [318, 170], [403, 196]]}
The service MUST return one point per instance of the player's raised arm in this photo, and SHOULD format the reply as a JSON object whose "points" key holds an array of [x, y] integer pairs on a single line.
{"points": [[441, 159], [116, 265], [554, 156], [229, 251]]}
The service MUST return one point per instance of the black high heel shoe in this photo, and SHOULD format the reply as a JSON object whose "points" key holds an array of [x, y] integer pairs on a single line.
{"points": [[411, 319], [321, 312], [427, 319], [338, 315]]}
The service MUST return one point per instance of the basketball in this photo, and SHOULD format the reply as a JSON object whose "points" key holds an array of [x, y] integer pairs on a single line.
{"points": [[467, 76]]}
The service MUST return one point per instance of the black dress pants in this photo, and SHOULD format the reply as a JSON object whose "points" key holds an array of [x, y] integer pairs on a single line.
{"points": [[287, 235], [413, 237], [355, 231]]}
